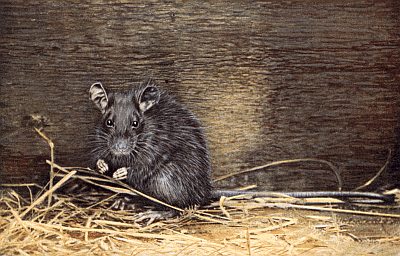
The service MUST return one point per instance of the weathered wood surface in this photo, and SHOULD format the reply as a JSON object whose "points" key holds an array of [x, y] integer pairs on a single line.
{"points": [[270, 81]]}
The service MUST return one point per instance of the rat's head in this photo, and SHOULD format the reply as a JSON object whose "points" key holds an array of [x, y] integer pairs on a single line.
{"points": [[122, 119]]}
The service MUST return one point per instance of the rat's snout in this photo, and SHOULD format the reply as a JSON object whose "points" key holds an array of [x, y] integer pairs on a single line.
{"points": [[121, 147]]}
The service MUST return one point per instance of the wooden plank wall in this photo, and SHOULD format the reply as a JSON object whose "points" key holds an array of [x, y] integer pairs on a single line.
{"points": [[270, 81]]}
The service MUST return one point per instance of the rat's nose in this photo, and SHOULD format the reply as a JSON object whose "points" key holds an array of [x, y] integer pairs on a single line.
{"points": [[121, 147]]}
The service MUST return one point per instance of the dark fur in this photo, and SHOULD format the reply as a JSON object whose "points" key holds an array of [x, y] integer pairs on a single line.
{"points": [[168, 156]]}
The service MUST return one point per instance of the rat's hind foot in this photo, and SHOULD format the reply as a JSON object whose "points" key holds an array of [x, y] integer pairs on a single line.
{"points": [[152, 216], [102, 166], [124, 203], [121, 174]]}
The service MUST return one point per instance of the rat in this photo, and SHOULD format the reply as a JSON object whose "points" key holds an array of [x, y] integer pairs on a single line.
{"points": [[157, 146]]}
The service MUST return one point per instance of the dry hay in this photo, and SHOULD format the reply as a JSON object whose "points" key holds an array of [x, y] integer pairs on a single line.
{"points": [[84, 224], [53, 223]]}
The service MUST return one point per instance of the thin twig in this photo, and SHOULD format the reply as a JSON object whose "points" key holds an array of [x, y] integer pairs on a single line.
{"points": [[20, 185], [300, 160], [369, 182], [248, 245], [222, 207], [51, 145]]}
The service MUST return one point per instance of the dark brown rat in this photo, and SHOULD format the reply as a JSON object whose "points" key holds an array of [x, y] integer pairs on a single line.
{"points": [[159, 147], [158, 140]]}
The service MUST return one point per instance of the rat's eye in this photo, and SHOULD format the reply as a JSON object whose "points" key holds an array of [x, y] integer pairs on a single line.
{"points": [[135, 124], [110, 123]]}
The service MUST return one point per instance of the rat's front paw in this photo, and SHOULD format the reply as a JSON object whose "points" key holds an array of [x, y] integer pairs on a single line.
{"points": [[102, 166], [121, 174]]}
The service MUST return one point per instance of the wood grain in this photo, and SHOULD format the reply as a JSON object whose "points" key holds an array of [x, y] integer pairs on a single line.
{"points": [[270, 81]]}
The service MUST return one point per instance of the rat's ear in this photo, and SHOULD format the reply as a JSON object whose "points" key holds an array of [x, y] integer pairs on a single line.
{"points": [[149, 96], [99, 96]]}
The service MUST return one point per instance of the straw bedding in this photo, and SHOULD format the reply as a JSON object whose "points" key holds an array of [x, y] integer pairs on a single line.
{"points": [[84, 224], [52, 220]]}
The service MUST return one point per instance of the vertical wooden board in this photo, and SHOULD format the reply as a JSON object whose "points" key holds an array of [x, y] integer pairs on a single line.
{"points": [[270, 81]]}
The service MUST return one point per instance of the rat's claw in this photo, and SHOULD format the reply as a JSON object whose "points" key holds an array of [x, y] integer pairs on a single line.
{"points": [[152, 216], [102, 166], [121, 174]]}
